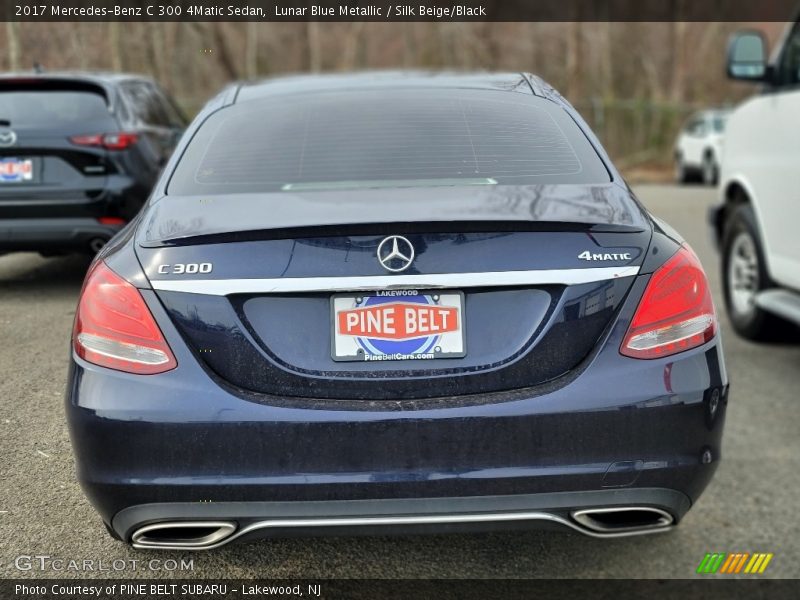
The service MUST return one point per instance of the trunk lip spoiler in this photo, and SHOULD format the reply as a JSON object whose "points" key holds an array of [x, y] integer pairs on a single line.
{"points": [[290, 285], [367, 229]]}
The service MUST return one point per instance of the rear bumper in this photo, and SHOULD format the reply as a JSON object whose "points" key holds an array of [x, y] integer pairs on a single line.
{"points": [[53, 233], [185, 448], [189, 446], [252, 520]]}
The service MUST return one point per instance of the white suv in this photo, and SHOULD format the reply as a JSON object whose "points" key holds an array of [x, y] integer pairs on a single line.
{"points": [[699, 147], [757, 222]]}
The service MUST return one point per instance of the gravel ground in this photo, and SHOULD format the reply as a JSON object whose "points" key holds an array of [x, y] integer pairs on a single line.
{"points": [[751, 505]]}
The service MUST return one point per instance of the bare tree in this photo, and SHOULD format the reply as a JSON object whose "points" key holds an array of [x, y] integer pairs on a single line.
{"points": [[12, 32], [606, 57], [409, 45], [155, 49], [634, 81], [223, 50], [575, 60], [114, 46], [352, 40], [251, 50], [77, 42], [679, 61], [314, 47]]}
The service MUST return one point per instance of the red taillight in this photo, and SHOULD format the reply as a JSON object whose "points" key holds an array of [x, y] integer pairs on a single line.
{"points": [[111, 220], [109, 141], [675, 313], [114, 327]]}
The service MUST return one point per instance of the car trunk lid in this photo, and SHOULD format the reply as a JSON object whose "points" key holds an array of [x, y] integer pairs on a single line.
{"points": [[262, 306]]}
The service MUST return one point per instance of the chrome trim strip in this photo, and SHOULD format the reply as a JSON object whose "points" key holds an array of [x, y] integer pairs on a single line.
{"points": [[412, 520], [286, 285]]}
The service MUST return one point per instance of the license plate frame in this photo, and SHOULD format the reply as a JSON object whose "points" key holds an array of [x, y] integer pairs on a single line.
{"points": [[431, 309], [25, 170]]}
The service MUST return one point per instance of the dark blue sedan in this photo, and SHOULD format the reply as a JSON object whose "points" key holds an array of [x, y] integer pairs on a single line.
{"points": [[397, 302]]}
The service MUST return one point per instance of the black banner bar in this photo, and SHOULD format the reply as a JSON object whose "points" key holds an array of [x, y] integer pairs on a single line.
{"points": [[750, 587], [398, 10]]}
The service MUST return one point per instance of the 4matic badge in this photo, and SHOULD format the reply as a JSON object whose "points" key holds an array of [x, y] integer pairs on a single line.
{"points": [[586, 255]]}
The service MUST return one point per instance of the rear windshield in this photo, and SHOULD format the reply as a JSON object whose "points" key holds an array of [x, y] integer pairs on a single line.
{"points": [[49, 108], [386, 138]]}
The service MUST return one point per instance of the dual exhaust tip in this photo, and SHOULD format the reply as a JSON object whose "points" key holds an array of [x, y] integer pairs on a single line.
{"points": [[619, 521], [595, 522], [188, 535]]}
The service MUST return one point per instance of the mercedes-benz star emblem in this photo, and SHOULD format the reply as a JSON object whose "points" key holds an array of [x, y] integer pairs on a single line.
{"points": [[395, 253], [7, 138]]}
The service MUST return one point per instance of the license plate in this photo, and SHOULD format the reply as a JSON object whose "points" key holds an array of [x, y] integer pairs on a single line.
{"points": [[14, 170], [397, 325]]}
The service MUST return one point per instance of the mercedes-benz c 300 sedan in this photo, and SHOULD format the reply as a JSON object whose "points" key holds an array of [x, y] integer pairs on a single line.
{"points": [[393, 302]]}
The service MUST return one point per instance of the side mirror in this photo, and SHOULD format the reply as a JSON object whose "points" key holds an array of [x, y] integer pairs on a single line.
{"points": [[747, 56]]}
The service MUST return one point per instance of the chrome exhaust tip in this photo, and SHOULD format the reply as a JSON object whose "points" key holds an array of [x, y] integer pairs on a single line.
{"points": [[624, 520], [182, 535], [96, 244]]}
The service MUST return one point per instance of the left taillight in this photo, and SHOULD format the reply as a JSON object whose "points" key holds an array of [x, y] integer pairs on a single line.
{"points": [[676, 312], [115, 329], [109, 141]]}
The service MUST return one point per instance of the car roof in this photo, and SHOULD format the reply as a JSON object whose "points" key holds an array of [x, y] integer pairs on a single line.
{"points": [[305, 84], [100, 78]]}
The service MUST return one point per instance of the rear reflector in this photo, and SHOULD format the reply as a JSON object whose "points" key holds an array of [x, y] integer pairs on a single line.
{"points": [[114, 327], [109, 141], [675, 313]]}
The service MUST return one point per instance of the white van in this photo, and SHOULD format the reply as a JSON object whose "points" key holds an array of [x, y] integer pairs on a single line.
{"points": [[757, 224]]}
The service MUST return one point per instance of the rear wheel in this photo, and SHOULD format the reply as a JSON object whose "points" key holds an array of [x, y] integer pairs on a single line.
{"points": [[681, 172], [744, 275], [710, 170]]}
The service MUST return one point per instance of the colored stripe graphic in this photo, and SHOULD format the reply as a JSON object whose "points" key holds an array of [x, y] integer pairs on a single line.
{"points": [[742, 560], [758, 563], [764, 564], [711, 562], [703, 563], [734, 563], [729, 563]]}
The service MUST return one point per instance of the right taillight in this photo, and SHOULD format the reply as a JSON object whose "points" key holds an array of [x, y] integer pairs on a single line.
{"points": [[675, 313], [109, 141], [114, 327]]}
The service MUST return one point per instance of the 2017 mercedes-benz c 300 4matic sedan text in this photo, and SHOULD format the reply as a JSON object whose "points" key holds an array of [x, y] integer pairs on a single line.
{"points": [[393, 302]]}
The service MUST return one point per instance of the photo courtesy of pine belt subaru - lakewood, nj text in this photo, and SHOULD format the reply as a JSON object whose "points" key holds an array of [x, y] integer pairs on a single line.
{"points": [[393, 302]]}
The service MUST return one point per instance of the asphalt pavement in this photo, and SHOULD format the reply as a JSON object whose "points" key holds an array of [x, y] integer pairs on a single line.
{"points": [[750, 506]]}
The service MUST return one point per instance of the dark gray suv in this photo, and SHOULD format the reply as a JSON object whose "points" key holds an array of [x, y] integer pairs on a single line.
{"points": [[79, 153]]}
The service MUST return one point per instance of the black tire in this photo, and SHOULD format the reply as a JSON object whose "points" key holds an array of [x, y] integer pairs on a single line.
{"points": [[681, 172], [755, 323], [710, 171]]}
